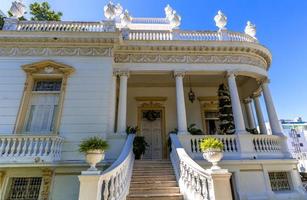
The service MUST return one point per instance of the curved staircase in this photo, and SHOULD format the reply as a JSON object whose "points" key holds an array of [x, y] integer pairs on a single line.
{"points": [[155, 180]]}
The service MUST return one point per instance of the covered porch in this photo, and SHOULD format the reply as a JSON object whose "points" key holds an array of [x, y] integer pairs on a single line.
{"points": [[158, 102]]}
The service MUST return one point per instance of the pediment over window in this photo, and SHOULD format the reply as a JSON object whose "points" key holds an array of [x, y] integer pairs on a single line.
{"points": [[48, 67]]}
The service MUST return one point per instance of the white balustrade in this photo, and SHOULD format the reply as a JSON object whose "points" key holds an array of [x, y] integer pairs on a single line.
{"points": [[115, 181], [267, 143], [64, 26], [189, 35], [195, 182], [30, 148], [263, 145]]}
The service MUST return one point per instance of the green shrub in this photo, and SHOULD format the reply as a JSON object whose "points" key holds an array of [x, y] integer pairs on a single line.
{"points": [[93, 143], [211, 143], [194, 130], [139, 146]]}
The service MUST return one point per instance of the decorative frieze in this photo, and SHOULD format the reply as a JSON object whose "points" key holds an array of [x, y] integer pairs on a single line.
{"points": [[190, 59], [56, 51], [47, 179]]}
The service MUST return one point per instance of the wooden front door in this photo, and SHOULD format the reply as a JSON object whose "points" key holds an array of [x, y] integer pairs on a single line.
{"points": [[151, 129]]}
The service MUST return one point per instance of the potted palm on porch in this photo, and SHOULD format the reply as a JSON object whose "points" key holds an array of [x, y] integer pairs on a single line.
{"points": [[212, 149], [93, 148]]}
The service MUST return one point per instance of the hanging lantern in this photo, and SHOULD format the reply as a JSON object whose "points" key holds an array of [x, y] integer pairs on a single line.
{"points": [[191, 93]]}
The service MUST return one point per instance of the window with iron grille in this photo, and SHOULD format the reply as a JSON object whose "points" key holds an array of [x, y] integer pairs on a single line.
{"points": [[279, 181], [25, 188]]}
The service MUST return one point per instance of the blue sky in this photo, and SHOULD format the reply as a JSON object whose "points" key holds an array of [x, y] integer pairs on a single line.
{"points": [[281, 26]]}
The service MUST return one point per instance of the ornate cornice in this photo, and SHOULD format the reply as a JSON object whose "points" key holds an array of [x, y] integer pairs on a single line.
{"points": [[56, 51], [189, 59]]}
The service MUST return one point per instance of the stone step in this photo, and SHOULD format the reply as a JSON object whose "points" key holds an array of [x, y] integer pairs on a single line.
{"points": [[160, 178], [152, 172], [155, 197], [159, 168], [154, 190], [152, 161], [148, 183]]}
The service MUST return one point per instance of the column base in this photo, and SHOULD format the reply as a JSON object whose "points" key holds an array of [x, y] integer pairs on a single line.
{"points": [[183, 133]]}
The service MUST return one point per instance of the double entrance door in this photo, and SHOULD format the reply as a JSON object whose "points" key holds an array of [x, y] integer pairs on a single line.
{"points": [[151, 129]]}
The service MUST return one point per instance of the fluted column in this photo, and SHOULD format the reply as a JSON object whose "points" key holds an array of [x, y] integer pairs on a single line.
{"points": [[235, 103], [113, 104], [181, 112], [122, 103], [273, 118], [249, 113], [260, 119]]}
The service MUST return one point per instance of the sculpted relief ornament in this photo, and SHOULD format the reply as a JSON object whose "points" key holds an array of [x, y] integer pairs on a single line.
{"points": [[56, 51], [190, 59]]}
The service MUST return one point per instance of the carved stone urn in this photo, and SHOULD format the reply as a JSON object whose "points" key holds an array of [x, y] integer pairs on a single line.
{"points": [[93, 157], [213, 156], [250, 29], [220, 20]]}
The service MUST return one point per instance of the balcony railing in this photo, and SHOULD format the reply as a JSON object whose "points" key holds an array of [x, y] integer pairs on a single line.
{"points": [[188, 35], [110, 26], [58, 26], [263, 146], [30, 148]]}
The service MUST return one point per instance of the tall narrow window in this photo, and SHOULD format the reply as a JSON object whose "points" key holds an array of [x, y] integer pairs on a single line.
{"points": [[211, 122], [43, 97], [43, 106]]}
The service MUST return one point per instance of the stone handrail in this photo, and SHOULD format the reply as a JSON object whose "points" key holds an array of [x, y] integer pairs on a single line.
{"points": [[266, 143], [188, 35], [30, 148], [115, 181], [260, 146], [58, 26], [193, 179]]}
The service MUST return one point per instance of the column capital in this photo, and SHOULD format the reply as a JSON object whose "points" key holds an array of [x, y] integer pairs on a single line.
{"points": [[121, 73], [256, 95], [179, 73], [263, 80], [247, 100], [231, 74]]}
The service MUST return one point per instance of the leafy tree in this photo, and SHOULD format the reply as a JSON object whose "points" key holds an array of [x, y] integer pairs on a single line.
{"points": [[1, 22], [225, 111], [43, 12]]}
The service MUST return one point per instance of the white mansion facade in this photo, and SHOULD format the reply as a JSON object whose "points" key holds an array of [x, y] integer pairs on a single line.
{"points": [[61, 82]]}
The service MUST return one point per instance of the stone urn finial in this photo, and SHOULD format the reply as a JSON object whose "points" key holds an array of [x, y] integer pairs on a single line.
{"points": [[168, 10], [17, 9], [125, 18], [220, 20], [172, 16], [109, 11], [250, 29]]}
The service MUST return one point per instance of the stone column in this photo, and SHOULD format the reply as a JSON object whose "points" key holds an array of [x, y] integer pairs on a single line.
{"points": [[181, 112], [113, 104], [249, 113], [274, 122], [235, 103], [260, 119], [122, 103]]}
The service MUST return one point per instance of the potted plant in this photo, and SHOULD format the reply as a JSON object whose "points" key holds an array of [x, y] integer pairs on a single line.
{"points": [[132, 129], [193, 130], [139, 146], [93, 148], [212, 149]]}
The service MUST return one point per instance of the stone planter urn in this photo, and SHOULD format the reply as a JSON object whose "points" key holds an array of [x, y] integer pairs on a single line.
{"points": [[93, 157], [213, 156]]}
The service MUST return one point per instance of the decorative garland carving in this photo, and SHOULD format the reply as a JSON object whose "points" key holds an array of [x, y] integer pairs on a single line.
{"points": [[47, 179], [210, 59], [56, 51]]}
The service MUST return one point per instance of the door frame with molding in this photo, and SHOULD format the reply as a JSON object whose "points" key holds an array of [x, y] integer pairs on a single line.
{"points": [[153, 103]]}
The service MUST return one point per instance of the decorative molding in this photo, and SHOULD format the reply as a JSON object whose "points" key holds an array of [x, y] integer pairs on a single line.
{"points": [[56, 51], [121, 73], [190, 59], [46, 185], [179, 73], [150, 98], [48, 67]]}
